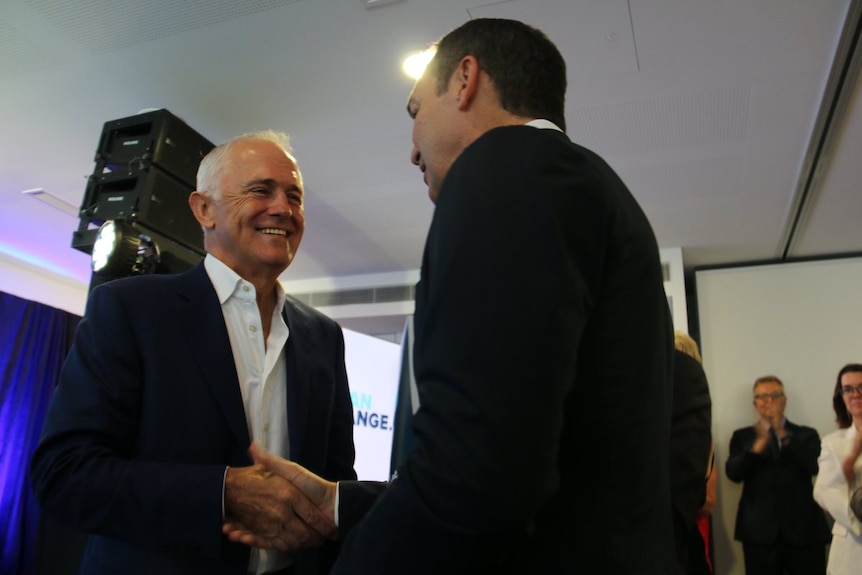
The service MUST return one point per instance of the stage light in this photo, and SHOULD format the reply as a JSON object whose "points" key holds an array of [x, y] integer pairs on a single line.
{"points": [[144, 171], [122, 250]]}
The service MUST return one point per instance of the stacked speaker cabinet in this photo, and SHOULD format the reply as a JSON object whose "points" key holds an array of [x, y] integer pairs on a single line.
{"points": [[145, 170]]}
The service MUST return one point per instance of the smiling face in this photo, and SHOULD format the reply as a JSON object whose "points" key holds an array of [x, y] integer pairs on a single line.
{"points": [[254, 220]]}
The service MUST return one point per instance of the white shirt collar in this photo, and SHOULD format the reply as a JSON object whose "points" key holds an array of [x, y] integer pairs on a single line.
{"points": [[543, 124], [227, 282]]}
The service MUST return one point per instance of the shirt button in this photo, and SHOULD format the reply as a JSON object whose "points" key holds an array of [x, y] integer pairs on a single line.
{"points": [[245, 288], [253, 329]]}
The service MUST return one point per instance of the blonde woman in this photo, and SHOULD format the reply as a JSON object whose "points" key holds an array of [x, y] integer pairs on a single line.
{"points": [[691, 451]]}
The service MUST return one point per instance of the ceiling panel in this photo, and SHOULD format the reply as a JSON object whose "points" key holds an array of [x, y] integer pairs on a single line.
{"points": [[706, 109]]}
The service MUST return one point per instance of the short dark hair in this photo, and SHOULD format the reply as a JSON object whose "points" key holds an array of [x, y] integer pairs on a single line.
{"points": [[767, 379], [526, 68], [842, 416]]}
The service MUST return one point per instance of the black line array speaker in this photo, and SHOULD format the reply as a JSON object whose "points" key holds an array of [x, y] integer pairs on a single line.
{"points": [[152, 138], [145, 169], [149, 197]]}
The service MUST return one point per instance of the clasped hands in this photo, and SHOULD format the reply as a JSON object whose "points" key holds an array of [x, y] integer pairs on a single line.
{"points": [[762, 428], [277, 504]]}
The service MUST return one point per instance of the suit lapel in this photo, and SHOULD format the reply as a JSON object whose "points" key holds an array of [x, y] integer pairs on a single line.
{"points": [[298, 351], [201, 318]]}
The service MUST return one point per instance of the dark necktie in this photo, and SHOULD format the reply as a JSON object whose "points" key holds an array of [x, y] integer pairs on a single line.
{"points": [[773, 440]]}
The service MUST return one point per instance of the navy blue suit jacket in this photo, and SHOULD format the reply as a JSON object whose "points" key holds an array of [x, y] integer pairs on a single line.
{"points": [[148, 412], [542, 357], [777, 488]]}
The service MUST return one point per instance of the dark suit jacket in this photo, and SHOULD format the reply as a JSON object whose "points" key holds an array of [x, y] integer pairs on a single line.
{"points": [[542, 355], [691, 438], [148, 412], [777, 488]]}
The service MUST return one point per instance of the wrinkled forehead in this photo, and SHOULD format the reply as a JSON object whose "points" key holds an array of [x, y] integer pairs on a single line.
{"points": [[258, 147], [768, 386], [257, 155]]}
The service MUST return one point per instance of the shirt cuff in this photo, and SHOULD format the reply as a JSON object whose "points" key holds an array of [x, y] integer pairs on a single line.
{"points": [[337, 493], [223, 481]]}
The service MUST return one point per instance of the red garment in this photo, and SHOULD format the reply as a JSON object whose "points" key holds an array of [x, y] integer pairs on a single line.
{"points": [[703, 526]]}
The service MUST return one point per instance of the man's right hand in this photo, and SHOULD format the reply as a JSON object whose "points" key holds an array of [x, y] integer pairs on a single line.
{"points": [[320, 491], [304, 515], [274, 509]]}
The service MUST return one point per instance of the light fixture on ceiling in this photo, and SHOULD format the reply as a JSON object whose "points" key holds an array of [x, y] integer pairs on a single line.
{"points": [[414, 64], [121, 250], [376, 3], [52, 200]]}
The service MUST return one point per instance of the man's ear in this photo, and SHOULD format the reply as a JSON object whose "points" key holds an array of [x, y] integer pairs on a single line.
{"points": [[202, 208], [466, 77]]}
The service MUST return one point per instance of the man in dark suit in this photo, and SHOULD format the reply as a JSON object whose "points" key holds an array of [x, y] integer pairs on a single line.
{"points": [[543, 343], [781, 527], [172, 376]]}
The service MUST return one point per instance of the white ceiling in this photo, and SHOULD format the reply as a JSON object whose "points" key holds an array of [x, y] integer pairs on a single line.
{"points": [[707, 109]]}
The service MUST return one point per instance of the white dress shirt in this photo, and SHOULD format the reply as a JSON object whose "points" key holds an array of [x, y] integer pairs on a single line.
{"points": [[261, 371]]}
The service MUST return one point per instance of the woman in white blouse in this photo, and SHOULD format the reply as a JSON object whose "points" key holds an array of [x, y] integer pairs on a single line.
{"points": [[841, 473]]}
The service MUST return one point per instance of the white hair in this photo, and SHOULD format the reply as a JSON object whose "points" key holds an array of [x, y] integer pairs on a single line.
{"points": [[212, 166]]}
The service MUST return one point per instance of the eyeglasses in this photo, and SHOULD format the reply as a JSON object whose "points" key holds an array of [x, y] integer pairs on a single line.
{"points": [[773, 395], [849, 389]]}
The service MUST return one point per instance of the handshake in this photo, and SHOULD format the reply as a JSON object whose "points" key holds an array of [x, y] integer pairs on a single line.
{"points": [[277, 504]]}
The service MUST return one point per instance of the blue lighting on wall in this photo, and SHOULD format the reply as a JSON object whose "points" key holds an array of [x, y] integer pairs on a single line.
{"points": [[34, 340]]}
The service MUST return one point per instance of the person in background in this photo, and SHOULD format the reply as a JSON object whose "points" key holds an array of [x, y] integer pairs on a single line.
{"points": [[172, 376], [543, 342], [691, 453], [781, 527], [841, 474], [700, 541]]}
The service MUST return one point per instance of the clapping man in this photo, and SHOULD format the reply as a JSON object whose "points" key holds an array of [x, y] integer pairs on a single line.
{"points": [[781, 527]]}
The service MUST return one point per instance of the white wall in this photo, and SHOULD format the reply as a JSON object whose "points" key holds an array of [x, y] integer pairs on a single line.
{"points": [[799, 321], [674, 286], [373, 369], [37, 284]]}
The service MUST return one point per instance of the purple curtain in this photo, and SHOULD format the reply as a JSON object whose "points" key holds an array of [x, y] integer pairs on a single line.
{"points": [[34, 341]]}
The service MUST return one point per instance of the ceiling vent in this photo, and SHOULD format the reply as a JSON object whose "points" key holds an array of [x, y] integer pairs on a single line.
{"points": [[360, 296], [376, 3]]}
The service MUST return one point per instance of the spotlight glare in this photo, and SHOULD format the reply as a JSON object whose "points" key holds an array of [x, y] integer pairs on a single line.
{"points": [[414, 64]]}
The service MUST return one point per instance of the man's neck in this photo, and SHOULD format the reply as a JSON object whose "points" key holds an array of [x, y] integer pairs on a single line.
{"points": [[266, 301]]}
